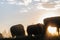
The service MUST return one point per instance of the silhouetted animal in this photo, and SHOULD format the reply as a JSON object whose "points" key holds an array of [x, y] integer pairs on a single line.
{"points": [[36, 29], [52, 20], [17, 30], [1, 36]]}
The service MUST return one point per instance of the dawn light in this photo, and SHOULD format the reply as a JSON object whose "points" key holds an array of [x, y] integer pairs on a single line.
{"points": [[46, 15], [52, 30]]}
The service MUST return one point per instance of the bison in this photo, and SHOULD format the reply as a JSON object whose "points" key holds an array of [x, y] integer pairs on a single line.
{"points": [[1, 36], [52, 21], [36, 29], [17, 30]]}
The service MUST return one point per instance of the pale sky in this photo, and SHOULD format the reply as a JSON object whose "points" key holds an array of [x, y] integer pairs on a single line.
{"points": [[26, 12]]}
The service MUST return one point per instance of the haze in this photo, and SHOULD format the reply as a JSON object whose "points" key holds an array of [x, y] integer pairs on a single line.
{"points": [[26, 12]]}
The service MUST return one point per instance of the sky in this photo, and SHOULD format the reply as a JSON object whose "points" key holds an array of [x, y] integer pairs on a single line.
{"points": [[26, 12]]}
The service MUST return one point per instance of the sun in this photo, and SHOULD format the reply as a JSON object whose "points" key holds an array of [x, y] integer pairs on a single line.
{"points": [[46, 15], [52, 30]]}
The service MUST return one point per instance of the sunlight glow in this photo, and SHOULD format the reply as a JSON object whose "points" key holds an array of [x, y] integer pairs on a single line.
{"points": [[52, 30], [46, 15]]}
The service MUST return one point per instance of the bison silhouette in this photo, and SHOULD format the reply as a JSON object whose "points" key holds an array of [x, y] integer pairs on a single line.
{"points": [[17, 30], [36, 29], [52, 21], [1, 36]]}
